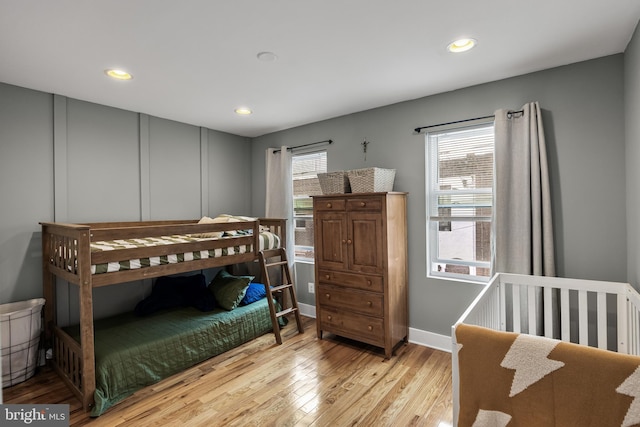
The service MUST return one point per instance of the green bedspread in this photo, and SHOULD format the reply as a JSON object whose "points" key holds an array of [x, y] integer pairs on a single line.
{"points": [[133, 352]]}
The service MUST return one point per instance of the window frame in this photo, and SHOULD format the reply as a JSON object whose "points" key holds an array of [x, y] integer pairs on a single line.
{"points": [[433, 221], [305, 217]]}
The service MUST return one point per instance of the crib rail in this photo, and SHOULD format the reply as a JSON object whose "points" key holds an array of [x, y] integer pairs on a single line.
{"points": [[485, 309], [594, 313]]}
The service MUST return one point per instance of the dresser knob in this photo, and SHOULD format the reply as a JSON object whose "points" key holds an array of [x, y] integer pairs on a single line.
{"points": [[327, 277], [368, 282], [329, 205], [348, 241], [363, 204], [369, 303], [328, 296], [370, 328], [344, 241], [328, 317]]}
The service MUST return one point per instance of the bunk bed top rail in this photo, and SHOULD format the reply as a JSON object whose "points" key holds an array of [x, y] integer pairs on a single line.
{"points": [[67, 247]]}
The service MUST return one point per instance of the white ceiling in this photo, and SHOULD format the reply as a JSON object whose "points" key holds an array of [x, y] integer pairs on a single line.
{"points": [[194, 61]]}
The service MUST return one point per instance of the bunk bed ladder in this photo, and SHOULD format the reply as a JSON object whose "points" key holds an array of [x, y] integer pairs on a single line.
{"points": [[279, 290]]}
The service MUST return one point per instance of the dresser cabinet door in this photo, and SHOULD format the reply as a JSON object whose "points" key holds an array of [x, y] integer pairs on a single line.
{"points": [[331, 240], [365, 242]]}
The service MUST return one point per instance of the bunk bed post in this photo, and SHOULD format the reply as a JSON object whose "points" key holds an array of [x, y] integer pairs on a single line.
{"points": [[48, 287], [256, 238], [86, 320], [282, 228]]}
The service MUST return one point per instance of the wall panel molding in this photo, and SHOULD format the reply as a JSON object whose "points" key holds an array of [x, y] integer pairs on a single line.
{"points": [[204, 171], [60, 185], [145, 171]]}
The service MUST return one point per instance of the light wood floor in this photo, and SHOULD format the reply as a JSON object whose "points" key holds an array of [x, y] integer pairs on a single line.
{"points": [[303, 382]]}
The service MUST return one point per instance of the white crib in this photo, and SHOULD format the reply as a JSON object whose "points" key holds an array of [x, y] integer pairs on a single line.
{"points": [[595, 313]]}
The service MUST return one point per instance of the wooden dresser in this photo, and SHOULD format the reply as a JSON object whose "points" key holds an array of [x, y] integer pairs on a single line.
{"points": [[361, 267]]}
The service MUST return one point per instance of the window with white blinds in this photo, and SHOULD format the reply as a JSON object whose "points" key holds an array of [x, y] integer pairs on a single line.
{"points": [[459, 201], [305, 169]]}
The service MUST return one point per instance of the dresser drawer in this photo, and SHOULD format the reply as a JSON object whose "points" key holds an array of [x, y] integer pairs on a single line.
{"points": [[330, 205], [352, 325], [365, 204], [370, 303], [359, 281]]}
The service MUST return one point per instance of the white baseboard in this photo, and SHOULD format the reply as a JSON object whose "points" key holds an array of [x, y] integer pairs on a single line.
{"points": [[307, 310], [430, 339], [416, 336]]}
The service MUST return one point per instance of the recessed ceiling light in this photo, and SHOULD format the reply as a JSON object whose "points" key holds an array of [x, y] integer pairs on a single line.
{"points": [[243, 111], [118, 74], [461, 45], [267, 56]]}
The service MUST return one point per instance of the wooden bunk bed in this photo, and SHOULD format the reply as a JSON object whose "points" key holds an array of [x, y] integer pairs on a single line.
{"points": [[70, 254]]}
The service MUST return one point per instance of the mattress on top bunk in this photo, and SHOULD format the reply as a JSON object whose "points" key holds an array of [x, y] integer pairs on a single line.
{"points": [[132, 352], [268, 240]]}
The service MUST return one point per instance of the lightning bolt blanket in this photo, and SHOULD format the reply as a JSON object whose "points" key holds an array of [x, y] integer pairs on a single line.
{"points": [[510, 379]]}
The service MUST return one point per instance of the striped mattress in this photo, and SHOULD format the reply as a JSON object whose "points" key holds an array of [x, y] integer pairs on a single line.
{"points": [[267, 239]]}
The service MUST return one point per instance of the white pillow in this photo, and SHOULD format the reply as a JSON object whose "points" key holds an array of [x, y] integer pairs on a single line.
{"points": [[232, 218], [213, 234]]}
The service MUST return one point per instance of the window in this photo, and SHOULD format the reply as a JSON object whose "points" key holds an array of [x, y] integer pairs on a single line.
{"points": [[459, 202], [305, 168]]}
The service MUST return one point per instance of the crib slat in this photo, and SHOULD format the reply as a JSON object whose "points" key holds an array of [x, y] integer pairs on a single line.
{"points": [[503, 305], [634, 338], [622, 325], [632, 328], [532, 310], [583, 320], [634, 317], [516, 308], [602, 320], [548, 312], [565, 329]]}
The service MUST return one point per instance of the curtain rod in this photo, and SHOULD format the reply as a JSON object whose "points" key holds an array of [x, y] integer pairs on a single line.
{"points": [[327, 141], [509, 115]]}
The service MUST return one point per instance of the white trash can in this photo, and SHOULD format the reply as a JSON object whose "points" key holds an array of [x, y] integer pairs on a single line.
{"points": [[20, 328]]}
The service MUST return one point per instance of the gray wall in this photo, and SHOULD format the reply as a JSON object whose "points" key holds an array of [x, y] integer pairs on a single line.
{"points": [[632, 139], [584, 124], [55, 152], [26, 188], [72, 161]]}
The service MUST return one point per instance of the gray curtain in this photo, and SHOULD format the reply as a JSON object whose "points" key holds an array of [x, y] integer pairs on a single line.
{"points": [[523, 230], [522, 226], [279, 192]]}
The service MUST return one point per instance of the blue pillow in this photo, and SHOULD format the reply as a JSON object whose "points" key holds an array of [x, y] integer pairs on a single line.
{"points": [[255, 292]]}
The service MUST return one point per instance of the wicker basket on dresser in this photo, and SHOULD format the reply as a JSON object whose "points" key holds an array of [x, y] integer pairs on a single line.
{"points": [[361, 267]]}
